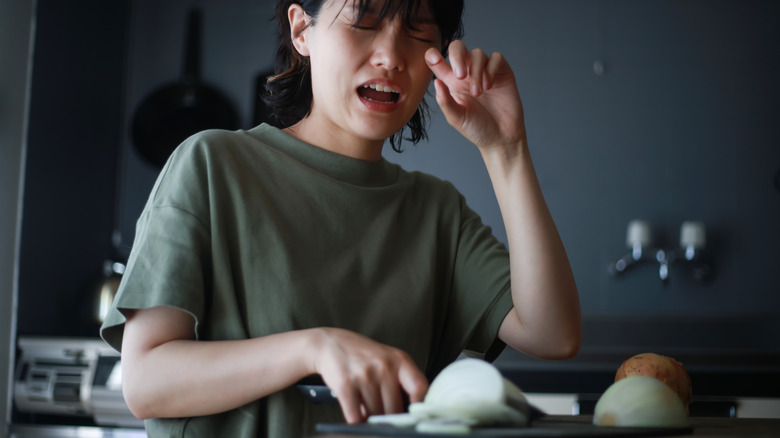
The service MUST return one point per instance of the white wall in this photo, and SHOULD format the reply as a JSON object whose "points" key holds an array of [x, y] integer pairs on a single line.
{"points": [[15, 33]]}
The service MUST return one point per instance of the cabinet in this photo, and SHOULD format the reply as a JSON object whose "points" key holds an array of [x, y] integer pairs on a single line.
{"points": [[71, 172]]}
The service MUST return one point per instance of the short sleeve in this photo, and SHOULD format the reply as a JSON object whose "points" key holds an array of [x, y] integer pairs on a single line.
{"points": [[169, 264], [479, 296], [481, 284]]}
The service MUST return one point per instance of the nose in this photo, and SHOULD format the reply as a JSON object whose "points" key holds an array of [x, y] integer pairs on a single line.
{"points": [[388, 50]]}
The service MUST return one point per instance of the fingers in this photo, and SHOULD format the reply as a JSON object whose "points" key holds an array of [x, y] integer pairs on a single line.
{"points": [[413, 382], [360, 399], [381, 396], [436, 63], [470, 72], [496, 64], [367, 377], [392, 402], [468, 65], [459, 59], [350, 402], [372, 397], [449, 106]]}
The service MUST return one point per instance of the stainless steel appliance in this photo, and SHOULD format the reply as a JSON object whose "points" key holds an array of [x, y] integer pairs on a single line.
{"points": [[71, 377]]}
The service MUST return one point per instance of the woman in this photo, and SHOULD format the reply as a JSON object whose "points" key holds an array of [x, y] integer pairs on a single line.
{"points": [[269, 255]]}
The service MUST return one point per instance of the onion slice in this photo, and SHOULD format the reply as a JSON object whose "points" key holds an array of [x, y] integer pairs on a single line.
{"points": [[443, 426], [397, 420]]}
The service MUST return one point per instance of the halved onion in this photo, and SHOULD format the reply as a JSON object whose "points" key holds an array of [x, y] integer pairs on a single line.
{"points": [[468, 392], [467, 380], [640, 401]]}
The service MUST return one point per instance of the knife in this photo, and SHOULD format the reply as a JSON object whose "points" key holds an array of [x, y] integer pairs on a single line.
{"points": [[315, 390]]}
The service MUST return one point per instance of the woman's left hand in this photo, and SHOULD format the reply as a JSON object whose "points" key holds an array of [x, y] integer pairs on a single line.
{"points": [[478, 96]]}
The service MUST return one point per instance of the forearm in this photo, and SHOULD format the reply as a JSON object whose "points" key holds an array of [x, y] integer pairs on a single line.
{"points": [[479, 97], [184, 378], [543, 288]]}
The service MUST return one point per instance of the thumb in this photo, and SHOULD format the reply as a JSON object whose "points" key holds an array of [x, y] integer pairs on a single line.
{"points": [[452, 110]]}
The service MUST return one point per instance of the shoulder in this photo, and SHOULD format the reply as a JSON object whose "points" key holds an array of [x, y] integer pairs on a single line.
{"points": [[200, 165], [218, 153], [214, 143], [430, 185]]}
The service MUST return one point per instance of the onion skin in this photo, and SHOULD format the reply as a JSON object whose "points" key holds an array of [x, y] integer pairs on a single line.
{"points": [[663, 368]]}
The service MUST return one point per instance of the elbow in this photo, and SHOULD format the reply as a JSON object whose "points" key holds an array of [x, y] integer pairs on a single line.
{"points": [[561, 351], [137, 395], [567, 350], [135, 403], [569, 343], [565, 347], [569, 338], [554, 349]]}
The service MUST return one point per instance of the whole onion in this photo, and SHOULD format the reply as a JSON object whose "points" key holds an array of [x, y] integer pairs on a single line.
{"points": [[663, 368]]}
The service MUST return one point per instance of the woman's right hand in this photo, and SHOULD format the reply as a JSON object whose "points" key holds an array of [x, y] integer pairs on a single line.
{"points": [[168, 374], [366, 377]]}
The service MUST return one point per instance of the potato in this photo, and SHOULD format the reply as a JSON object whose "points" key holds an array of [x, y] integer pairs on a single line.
{"points": [[661, 367]]}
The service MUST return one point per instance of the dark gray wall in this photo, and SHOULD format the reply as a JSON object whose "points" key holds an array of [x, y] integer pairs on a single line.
{"points": [[678, 126], [238, 42]]}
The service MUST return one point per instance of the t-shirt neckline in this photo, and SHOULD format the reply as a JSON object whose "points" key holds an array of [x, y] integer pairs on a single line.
{"points": [[341, 167]]}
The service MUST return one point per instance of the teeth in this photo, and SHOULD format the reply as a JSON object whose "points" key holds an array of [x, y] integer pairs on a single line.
{"points": [[381, 88]]}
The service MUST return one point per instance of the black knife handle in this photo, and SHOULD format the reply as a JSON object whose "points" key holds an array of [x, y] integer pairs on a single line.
{"points": [[317, 393]]}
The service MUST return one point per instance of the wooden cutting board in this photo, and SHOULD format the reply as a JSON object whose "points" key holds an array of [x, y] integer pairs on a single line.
{"points": [[552, 427]]}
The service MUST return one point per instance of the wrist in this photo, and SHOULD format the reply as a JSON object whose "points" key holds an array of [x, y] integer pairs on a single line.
{"points": [[314, 343], [507, 158]]}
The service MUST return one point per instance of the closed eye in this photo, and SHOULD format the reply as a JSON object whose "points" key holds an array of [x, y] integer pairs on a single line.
{"points": [[421, 39], [423, 32], [415, 35]]}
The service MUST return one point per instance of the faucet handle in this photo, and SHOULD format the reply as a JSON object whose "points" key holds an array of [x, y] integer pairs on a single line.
{"points": [[638, 233], [692, 238], [692, 234]]}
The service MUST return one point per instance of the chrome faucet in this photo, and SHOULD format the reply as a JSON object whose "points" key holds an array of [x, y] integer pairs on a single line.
{"points": [[692, 243]]}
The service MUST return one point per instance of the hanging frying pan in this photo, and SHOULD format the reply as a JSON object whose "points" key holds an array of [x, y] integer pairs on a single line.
{"points": [[174, 112]]}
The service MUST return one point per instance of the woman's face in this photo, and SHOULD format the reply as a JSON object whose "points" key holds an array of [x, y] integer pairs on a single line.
{"points": [[368, 77]]}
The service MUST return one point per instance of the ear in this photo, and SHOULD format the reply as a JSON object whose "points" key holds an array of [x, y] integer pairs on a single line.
{"points": [[299, 25]]}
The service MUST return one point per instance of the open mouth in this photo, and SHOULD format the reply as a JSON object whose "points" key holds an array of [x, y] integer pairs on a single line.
{"points": [[378, 93]]}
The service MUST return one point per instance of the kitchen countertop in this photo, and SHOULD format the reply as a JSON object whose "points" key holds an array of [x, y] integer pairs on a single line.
{"points": [[702, 427], [46, 431], [713, 373], [554, 425]]}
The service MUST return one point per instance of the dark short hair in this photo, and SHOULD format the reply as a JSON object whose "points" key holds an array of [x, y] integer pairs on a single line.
{"points": [[288, 92]]}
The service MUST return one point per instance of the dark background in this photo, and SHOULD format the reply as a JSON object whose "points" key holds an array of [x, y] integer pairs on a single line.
{"points": [[680, 124]]}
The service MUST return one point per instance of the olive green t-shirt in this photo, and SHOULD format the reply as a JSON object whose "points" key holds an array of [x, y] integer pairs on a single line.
{"points": [[255, 233]]}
